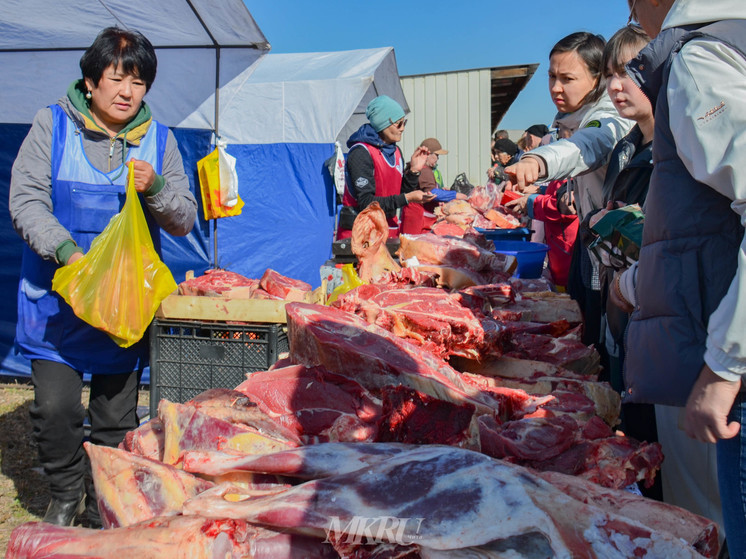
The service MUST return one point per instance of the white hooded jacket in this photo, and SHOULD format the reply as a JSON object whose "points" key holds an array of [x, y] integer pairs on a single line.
{"points": [[708, 119]]}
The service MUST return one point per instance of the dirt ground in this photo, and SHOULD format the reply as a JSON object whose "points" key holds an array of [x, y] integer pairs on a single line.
{"points": [[24, 494]]}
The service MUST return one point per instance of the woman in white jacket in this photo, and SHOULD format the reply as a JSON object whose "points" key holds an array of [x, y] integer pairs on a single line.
{"points": [[589, 127]]}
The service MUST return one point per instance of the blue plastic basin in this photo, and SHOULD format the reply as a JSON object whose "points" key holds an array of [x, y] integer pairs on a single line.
{"points": [[530, 256], [517, 234]]}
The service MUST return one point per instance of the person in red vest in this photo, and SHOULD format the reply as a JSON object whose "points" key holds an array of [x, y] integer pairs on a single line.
{"points": [[375, 170]]}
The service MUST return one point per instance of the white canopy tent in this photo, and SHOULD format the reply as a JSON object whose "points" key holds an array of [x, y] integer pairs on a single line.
{"points": [[200, 44], [315, 97]]}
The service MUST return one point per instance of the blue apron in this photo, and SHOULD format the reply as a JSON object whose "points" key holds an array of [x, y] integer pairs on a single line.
{"points": [[84, 199]]}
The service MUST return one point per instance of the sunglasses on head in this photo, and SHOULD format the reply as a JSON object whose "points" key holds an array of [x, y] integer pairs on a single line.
{"points": [[632, 14]]}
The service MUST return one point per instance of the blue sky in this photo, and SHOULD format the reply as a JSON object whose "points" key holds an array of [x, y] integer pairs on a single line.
{"points": [[442, 36]]}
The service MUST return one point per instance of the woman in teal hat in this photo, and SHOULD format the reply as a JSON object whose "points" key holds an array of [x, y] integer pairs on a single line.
{"points": [[375, 170]]}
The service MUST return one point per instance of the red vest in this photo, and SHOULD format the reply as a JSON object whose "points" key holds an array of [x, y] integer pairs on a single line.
{"points": [[418, 218], [388, 183]]}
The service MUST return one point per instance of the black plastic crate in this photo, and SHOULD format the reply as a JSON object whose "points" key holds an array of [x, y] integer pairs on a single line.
{"points": [[188, 357]]}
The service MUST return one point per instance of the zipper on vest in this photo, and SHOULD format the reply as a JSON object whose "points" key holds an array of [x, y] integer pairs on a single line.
{"points": [[112, 141]]}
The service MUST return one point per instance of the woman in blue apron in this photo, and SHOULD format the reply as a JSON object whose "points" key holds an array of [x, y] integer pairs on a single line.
{"points": [[67, 182]]}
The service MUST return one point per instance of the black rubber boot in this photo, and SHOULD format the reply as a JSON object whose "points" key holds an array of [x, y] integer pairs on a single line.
{"points": [[63, 513], [92, 516]]}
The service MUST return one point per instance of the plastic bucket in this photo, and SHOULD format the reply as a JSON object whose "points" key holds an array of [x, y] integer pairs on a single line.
{"points": [[509, 196], [517, 234], [529, 256]]}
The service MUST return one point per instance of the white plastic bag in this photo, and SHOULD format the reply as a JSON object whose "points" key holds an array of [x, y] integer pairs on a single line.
{"points": [[228, 177], [339, 170]]}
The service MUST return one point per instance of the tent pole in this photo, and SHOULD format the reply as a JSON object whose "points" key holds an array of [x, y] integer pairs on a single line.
{"points": [[217, 137]]}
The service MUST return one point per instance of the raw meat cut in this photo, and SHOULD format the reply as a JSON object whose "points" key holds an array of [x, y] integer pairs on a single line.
{"points": [[429, 317], [174, 537], [146, 440], [215, 283], [565, 351], [607, 402], [186, 428], [413, 417], [131, 489], [527, 440], [306, 462], [236, 407], [370, 231], [544, 306], [501, 219], [615, 462], [448, 276], [344, 342], [532, 285], [315, 404], [459, 253], [283, 287], [444, 228], [483, 298], [446, 498], [515, 368], [701, 533], [456, 207], [484, 197]]}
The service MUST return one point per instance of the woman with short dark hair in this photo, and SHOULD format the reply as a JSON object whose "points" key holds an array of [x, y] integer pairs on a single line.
{"points": [[588, 129], [68, 181]]}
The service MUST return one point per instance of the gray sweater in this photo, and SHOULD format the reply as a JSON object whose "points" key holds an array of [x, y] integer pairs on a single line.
{"points": [[173, 206]]}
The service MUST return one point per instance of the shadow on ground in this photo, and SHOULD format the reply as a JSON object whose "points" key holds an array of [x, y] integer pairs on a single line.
{"points": [[20, 463]]}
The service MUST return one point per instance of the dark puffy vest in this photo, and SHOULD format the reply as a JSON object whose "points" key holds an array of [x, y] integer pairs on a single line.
{"points": [[690, 243]]}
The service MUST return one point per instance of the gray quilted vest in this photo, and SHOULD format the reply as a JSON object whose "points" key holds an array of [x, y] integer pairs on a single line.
{"points": [[690, 243]]}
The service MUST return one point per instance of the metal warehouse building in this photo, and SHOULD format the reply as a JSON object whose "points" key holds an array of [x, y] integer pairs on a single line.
{"points": [[462, 109]]}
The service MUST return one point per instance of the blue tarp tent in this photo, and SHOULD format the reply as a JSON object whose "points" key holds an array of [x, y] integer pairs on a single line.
{"points": [[281, 120], [201, 45]]}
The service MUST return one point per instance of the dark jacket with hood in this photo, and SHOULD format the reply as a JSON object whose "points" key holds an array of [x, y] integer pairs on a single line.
{"points": [[359, 165]]}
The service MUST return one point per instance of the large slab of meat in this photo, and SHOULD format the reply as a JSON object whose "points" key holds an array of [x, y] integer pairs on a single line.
{"points": [[315, 404], [306, 462], [284, 287], [132, 489], [432, 318], [699, 532], [345, 343], [214, 283], [174, 537], [461, 500], [459, 253], [224, 283], [187, 428], [370, 231]]}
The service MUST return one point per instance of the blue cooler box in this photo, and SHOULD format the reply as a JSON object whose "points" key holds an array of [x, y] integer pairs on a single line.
{"points": [[530, 256], [518, 234]]}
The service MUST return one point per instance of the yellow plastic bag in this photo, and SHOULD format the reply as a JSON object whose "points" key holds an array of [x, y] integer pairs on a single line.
{"points": [[219, 184], [118, 285], [350, 280]]}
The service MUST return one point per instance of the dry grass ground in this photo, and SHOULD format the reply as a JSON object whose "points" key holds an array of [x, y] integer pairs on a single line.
{"points": [[23, 488]]}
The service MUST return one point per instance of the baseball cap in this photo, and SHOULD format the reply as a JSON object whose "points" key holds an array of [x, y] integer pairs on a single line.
{"points": [[434, 146]]}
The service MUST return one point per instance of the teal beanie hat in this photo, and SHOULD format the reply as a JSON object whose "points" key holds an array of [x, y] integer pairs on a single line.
{"points": [[383, 111]]}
